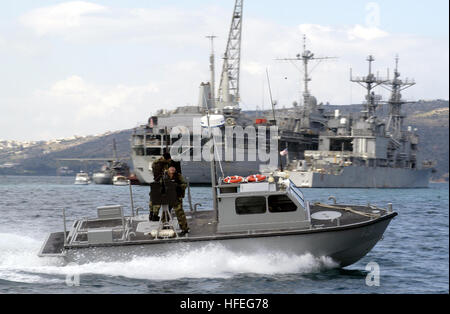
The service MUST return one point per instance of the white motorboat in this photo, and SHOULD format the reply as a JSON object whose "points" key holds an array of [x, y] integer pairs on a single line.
{"points": [[82, 178]]}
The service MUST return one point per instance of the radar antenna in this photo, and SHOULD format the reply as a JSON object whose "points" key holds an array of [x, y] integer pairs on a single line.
{"points": [[306, 57], [369, 82]]}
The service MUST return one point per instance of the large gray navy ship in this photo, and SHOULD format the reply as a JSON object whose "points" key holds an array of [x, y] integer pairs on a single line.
{"points": [[321, 149], [365, 151], [298, 128]]}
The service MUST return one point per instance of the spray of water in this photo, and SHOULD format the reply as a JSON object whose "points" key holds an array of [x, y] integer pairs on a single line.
{"points": [[19, 262]]}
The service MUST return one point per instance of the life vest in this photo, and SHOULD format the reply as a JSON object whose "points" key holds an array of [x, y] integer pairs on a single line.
{"points": [[233, 179], [256, 178]]}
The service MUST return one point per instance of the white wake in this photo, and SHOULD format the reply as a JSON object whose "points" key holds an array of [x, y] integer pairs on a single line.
{"points": [[19, 262]]}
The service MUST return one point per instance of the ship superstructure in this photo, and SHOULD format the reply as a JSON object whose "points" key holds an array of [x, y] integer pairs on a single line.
{"points": [[310, 116], [364, 150], [298, 130], [321, 149]]}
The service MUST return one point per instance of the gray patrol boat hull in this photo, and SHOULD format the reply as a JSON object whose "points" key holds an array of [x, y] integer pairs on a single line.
{"points": [[363, 177], [344, 246]]}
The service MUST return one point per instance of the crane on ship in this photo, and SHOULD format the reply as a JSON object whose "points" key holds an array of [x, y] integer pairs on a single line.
{"points": [[228, 95]]}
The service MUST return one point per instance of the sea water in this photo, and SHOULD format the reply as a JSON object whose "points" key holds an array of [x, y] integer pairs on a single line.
{"points": [[413, 256]]}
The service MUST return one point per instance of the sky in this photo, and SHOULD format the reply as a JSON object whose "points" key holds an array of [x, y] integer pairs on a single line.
{"points": [[87, 67]]}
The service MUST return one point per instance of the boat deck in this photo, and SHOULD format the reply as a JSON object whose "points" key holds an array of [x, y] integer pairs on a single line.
{"points": [[201, 225], [54, 245], [327, 216]]}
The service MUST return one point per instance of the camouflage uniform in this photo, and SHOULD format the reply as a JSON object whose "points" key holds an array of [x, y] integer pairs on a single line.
{"points": [[178, 208], [159, 167]]}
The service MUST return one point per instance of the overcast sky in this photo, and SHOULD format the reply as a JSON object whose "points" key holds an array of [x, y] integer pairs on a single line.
{"points": [[86, 67]]}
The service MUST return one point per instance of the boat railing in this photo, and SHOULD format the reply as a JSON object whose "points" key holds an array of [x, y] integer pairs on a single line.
{"points": [[138, 210], [308, 211], [81, 227], [138, 141], [65, 228], [297, 191], [152, 143]]}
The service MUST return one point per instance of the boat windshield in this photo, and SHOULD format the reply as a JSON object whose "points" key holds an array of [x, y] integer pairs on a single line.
{"points": [[299, 194]]}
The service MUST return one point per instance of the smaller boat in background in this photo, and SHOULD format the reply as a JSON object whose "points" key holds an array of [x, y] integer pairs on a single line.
{"points": [[82, 178], [120, 180], [114, 167], [105, 176]]}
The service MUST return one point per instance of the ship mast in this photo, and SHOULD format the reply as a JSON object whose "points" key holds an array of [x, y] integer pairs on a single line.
{"points": [[212, 96], [229, 80], [115, 150], [396, 86], [369, 82], [306, 57]]}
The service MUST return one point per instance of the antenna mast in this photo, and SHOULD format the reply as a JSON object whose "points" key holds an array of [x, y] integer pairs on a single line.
{"points": [[306, 57], [396, 86], [229, 80], [212, 69], [115, 150], [369, 82]]}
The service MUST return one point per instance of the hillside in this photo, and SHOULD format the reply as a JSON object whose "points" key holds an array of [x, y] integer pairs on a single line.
{"points": [[431, 118], [40, 158], [433, 129]]}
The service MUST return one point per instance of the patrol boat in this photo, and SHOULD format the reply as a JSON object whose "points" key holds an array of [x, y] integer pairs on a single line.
{"points": [[270, 215], [250, 217]]}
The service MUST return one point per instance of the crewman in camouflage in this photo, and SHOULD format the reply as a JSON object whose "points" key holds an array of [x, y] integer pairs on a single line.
{"points": [[159, 168], [175, 177]]}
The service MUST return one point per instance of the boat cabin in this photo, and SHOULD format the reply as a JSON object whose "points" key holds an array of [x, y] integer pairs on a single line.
{"points": [[261, 206]]}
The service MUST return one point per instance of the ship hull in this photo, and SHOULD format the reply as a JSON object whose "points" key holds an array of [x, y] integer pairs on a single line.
{"points": [[364, 177], [81, 182], [197, 172], [102, 178], [345, 246]]}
